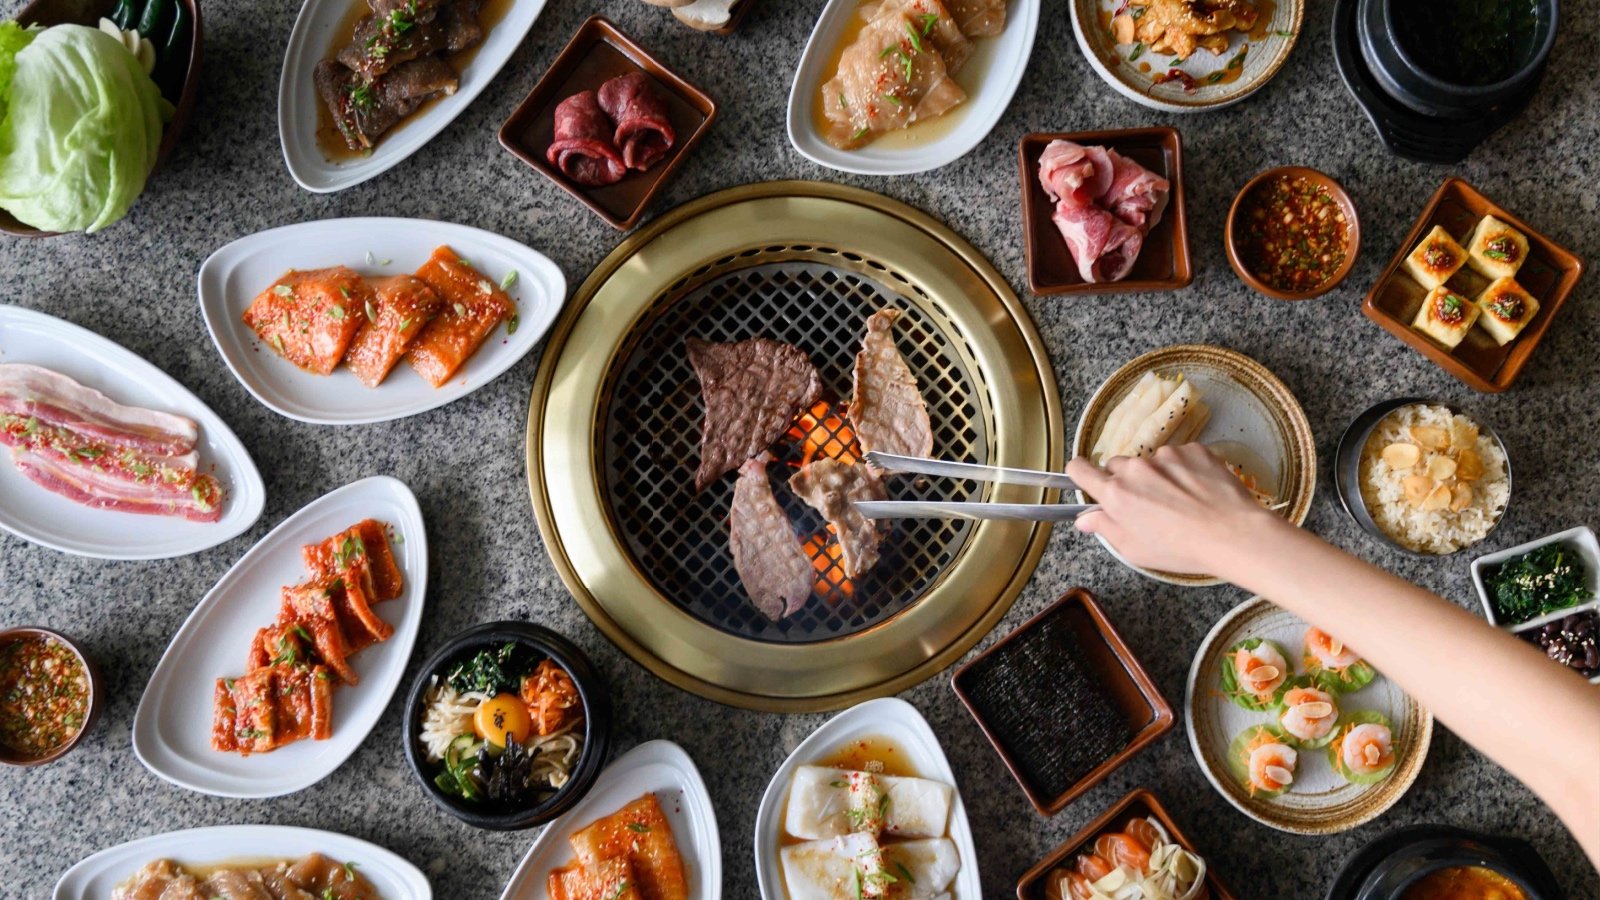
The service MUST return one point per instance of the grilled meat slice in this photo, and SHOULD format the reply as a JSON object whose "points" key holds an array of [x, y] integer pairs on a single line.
{"points": [[376, 47], [363, 110], [888, 411], [775, 571], [752, 391], [460, 23], [831, 488]]}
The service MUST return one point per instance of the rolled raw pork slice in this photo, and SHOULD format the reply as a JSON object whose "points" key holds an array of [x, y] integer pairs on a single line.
{"points": [[1074, 174], [644, 132], [583, 148], [1104, 247]]}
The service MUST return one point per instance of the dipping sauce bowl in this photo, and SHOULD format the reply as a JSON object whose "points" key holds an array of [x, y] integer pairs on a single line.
{"points": [[1247, 211], [34, 661]]}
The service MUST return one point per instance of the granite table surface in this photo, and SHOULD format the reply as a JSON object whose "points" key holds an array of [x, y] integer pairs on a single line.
{"points": [[135, 283]]}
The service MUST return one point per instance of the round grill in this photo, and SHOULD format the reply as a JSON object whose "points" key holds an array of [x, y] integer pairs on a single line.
{"points": [[817, 299]]}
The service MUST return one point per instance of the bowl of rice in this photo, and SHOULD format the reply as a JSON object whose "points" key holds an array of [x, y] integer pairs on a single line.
{"points": [[1423, 476]]}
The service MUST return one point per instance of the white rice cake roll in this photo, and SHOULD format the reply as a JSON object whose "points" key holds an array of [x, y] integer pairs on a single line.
{"points": [[925, 868], [1496, 250], [1171, 419], [1435, 259], [1506, 308], [850, 865], [1141, 402], [820, 804]]}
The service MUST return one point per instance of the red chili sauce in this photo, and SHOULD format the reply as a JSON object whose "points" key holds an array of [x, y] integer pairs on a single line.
{"points": [[44, 695], [1292, 234]]}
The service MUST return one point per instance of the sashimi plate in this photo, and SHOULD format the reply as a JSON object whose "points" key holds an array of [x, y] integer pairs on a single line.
{"points": [[888, 718], [1319, 801], [659, 767], [98, 875], [233, 276], [990, 78], [172, 728], [35, 514]]}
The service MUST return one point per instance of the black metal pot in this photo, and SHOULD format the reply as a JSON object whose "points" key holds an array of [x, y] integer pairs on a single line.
{"points": [[1387, 867], [1401, 74]]}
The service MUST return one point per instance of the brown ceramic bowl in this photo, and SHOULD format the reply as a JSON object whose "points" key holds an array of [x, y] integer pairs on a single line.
{"points": [[89, 12], [11, 758], [597, 53], [1138, 804], [1163, 263], [1549, 274], [1135, 696], [1353, 247]]}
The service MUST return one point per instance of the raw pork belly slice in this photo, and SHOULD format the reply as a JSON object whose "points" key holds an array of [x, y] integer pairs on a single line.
{"points": [[887, 409], [1136, 195], [644, 132], [832, 488], [1071, 173], [401, 305], [752, 391], [583, 148], [54, 399], [473, 307], [1103, 246], [775, 571]]}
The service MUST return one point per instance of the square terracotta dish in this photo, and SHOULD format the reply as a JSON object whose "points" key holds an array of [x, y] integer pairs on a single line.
{"points": [[1163, 262], [595, 55], [1063, 701], [1548, 275], [1138, 804]]}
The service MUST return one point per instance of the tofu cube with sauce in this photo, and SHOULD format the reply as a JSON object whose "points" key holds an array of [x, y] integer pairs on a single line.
{"points": [[1435, 259], [1505, 309], [1496, 250], [1445, 316]]}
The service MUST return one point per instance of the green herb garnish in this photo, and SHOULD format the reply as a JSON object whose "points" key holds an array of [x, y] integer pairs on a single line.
{"points": [[1138, 51], [508, 279], [486, 672], [638, 828]]}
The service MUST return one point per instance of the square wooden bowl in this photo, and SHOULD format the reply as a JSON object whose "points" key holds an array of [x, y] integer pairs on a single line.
{"points": [[596, 54], [1548, 274], [1163, 263], [1129, 687], [1138, 804]]}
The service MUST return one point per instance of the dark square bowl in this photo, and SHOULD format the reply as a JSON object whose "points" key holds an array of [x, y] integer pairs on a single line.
{"points": [[1483, 365], [1138, 804], [596, 54], [1163, 263], [1124, 682]]}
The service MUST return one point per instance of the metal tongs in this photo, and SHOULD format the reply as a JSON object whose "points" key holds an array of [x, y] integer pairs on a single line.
{"points": [[923, 509]]}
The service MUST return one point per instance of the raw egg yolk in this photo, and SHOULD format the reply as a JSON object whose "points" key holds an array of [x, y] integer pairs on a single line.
{"points": [[504, 716]]}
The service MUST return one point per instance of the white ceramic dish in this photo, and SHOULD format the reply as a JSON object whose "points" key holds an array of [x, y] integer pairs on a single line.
{"points": [[172, 728], [1132, 70], [1581, 539], [309, 43], [35, 514], [95, 877], [659, 766], [889, 718], [231, 278], [990, 78], [1320, 801]]}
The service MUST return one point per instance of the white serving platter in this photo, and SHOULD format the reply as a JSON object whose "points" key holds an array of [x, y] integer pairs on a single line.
{"points": [[95, 877], [309, 43], [990, 78], [231, 278], [35, 514], [657, 766], [890, 718], [172, 728]]}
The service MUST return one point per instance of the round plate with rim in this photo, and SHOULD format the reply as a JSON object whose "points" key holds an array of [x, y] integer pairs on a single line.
{"points": [[1132, 69], [1320, 801], [1256, 423]]}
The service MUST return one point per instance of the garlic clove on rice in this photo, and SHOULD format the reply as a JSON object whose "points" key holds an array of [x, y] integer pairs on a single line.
{"points": [[1430, 437], [1437, 499], [1463, 432], [1441, 467], [1469, 465], [1417, 488], [1460, 497], [1402, 456]]}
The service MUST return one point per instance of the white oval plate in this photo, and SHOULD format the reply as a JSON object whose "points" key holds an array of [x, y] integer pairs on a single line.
{"points": [[232, 277], [94, 878], [990, 78], [887, 717], [658, 766], [35, 514], [298, 100], [172, 728]]}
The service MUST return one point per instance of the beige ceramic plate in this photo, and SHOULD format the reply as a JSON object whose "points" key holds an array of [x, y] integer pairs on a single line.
{"points": [[1255, 423], [1320, 802], [1218, 80]]}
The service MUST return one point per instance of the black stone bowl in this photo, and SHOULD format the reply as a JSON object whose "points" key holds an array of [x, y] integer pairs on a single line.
{"points": [[1402, 76], [1387, 867], [596, 724]]}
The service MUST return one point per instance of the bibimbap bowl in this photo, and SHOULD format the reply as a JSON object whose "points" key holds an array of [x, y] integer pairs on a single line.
{"points": [[494, 686]]}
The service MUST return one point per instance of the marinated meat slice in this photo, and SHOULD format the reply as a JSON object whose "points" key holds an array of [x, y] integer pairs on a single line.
{"points": [[363, 111], [937, 27], [353, 600], [774, 569], [309, 318], [409, 10], [236, 884], [311, 608], [752, 391], [640, 833], [224, 718], [323, 877], [888, 410], [303, 694], [376, 46], [461, 27], [831, 488], [610, 879], [159, 880], [583, 148], [644, 131], [278, 642], [314, 877], [979, 18], [401, 306], [256, 715], [365, 539], [884, 83], [473, 307]]}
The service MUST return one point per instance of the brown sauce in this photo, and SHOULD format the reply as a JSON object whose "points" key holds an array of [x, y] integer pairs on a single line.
{"points": [[1464, 883]]}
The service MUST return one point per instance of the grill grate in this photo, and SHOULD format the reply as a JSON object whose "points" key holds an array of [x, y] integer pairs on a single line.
{"points": [[679, 540]]}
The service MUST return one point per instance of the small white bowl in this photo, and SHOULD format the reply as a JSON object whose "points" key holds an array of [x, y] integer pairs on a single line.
{"points": [[1581, 538]]}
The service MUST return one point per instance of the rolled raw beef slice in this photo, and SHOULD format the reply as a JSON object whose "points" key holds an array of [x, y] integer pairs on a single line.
{"points": [[644, 131], [582, 148]]}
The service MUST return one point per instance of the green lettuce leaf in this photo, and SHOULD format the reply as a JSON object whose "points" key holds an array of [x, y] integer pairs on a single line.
{"points": [[13, 37]]}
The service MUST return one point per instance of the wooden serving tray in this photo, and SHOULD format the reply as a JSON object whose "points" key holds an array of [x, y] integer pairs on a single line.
{"points": [[1549, 275]]}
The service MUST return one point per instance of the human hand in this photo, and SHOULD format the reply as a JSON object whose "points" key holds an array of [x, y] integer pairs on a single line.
{"points": [[1179, 511]]}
